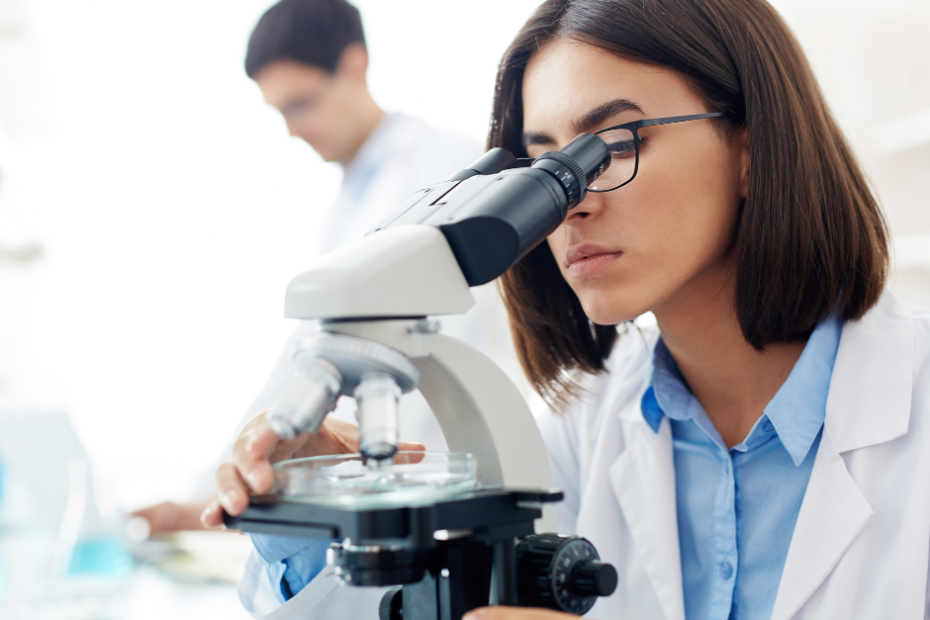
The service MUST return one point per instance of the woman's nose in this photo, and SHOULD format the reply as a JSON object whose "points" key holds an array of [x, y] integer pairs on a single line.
{"points": [[590, 206]]}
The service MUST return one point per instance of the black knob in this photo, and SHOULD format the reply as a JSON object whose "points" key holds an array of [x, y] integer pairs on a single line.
{"points": [[591, 578], [392, 604], [562, 573]]}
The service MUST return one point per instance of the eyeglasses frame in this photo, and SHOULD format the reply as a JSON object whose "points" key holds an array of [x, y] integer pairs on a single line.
{"points": [[634, 128]]}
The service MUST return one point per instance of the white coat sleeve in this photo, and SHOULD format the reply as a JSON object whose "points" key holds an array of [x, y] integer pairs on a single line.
{"points": [[324, 598]]}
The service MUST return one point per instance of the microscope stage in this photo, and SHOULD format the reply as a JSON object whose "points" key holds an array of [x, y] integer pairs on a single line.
{"points": [[493, 513]]}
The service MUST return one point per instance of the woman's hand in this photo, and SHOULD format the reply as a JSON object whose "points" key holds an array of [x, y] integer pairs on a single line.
{"points": [[258, 446], [516, 613]]}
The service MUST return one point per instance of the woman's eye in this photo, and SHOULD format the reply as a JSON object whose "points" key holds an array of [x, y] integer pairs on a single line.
{"points": [[621, 149]]}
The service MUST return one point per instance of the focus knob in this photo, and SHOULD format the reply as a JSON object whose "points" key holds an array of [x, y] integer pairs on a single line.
{"points": [[591, 578], [562, 573]]}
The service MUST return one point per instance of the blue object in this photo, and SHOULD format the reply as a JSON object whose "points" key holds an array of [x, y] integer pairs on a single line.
{"points": [[737, 508], [291, 561], [106, 556]]}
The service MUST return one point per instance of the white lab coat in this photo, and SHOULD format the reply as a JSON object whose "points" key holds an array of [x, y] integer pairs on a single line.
{"points": [[861, 545]]}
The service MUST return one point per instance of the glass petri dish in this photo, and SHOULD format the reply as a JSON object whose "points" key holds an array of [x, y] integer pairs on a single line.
{"points": [[345, 480]]}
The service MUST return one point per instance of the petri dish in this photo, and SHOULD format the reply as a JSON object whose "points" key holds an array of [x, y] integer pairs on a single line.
{"points": [[344, 480]]}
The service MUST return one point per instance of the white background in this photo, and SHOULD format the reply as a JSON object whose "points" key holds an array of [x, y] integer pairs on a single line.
{"points": [[173, 208]]}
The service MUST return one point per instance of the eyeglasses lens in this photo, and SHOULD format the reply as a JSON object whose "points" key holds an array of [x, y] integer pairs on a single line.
{"points": [[622, 146]]}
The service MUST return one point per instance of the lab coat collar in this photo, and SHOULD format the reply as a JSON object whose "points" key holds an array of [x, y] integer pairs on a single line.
{"points": [[873, 373], [392, 134], [870, 392], [833, 513], [643, 480]]}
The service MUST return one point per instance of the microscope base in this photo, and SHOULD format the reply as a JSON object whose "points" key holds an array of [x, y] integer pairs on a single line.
{"points": [[450, 556]]}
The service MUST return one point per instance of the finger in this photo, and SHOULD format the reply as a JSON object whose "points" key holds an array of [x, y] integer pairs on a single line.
{"points": [[232, 493], [410, 453], [339, 437], [251, 455], [515, 613], [411, 446], [212, 517], [161, 517], [334, 437]]}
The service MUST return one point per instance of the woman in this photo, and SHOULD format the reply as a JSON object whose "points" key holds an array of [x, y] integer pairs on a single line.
{"points": [[761, 455]]}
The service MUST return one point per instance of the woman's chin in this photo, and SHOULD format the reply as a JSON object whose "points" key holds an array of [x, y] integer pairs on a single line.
{"points": [[603, 312]]}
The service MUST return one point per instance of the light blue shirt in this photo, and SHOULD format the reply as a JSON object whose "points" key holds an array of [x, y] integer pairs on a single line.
{"points": [[291, 561], [737, 508]]}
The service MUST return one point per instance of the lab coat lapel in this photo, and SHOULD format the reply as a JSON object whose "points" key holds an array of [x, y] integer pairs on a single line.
{"points": [[833, 513], [869, 403], [643, 479]]}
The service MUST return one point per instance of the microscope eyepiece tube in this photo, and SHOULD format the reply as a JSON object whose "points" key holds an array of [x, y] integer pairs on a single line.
{"points": [[494, 213], [310, 396], [378, 397]]}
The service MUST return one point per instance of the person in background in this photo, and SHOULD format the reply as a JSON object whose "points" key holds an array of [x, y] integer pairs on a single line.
{"points": [[310, 61]]}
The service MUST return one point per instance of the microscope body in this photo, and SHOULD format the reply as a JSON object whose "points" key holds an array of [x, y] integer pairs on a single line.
{"points": [[389, 282], [372, 299]]}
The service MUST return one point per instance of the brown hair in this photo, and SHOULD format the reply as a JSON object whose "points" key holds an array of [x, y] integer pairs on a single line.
{"points": [[810, 240]]}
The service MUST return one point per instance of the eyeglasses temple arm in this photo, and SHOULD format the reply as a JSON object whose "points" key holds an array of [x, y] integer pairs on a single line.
{"points": [[651, 122]]}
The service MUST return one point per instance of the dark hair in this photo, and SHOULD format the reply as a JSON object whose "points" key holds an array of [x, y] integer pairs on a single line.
{"points": [[312, 32], [810, 239]]}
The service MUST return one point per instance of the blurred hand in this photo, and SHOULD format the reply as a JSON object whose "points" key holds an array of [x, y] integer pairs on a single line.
{"points": [[170, 517], [516, 613], [258, 446]]}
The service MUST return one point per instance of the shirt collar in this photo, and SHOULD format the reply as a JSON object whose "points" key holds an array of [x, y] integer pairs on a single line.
{"points": [[798, 409], [796, 413]]}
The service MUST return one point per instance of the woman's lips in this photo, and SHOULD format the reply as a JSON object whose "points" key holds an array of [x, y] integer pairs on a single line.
{"points": [[586, 259]]}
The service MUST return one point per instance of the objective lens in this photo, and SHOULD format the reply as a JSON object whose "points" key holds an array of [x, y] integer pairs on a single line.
{"points": [[310, 396], [378, 420]]}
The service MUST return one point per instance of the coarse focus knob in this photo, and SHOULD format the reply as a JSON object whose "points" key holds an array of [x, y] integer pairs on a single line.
{"points": [[562, 573], [392, 604], [592, 578]]}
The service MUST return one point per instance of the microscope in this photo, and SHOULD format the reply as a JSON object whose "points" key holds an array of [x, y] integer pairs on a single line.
{"points": [[447, 554]]}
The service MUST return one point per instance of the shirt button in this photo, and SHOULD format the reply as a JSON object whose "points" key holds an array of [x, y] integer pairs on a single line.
{"points": [[726, 570], [767, 427]]}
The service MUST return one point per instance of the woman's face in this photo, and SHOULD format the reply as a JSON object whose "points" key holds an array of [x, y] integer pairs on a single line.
{"points": [[660, 243]]}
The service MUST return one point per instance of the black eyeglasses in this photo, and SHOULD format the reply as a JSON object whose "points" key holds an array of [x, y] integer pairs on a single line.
{"points": [[623, 142]]}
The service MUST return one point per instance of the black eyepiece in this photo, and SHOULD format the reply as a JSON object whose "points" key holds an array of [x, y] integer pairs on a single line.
{"points": [[591, 153], [577, 165]]}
